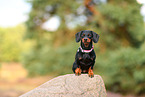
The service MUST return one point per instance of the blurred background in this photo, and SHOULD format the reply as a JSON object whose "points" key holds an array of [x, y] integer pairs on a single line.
{"points": [[37, 43]]}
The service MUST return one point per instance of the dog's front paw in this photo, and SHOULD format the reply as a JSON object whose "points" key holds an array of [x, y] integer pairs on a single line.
{"points": [[91, 75], [78, 71], [90, 72]]}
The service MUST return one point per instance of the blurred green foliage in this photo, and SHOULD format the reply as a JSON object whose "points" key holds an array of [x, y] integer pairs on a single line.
{"points": [[124, 69], [12, 44], [120, 51]]}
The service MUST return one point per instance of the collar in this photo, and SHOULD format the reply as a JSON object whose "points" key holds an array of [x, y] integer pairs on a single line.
{"points": [[86, 51]]}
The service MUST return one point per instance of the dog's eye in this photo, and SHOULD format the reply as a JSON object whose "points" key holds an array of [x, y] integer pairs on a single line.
{"points": [[83, 34], [89, 35]]}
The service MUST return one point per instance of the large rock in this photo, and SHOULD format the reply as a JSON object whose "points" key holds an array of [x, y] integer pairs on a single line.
{"points": [[70, 86]]}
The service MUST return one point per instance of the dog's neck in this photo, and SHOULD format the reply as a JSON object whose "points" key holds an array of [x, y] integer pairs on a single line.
{"points": [[86, 48]]}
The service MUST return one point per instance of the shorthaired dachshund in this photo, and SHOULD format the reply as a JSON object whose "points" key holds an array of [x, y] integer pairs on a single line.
{"points": [[85, 56]]}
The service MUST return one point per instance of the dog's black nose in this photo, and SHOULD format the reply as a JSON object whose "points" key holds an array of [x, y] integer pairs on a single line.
{"points": [[85, 40]]}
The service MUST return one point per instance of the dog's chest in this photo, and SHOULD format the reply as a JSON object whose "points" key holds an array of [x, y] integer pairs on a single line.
{"points": [[86, 59], [86, 56]]}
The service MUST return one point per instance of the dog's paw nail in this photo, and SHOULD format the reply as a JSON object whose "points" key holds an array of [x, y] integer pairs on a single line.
{"points": [[91, 76], [77, 74]]}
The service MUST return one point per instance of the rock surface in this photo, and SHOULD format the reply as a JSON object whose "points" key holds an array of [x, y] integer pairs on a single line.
{"points": [[70, 86]]}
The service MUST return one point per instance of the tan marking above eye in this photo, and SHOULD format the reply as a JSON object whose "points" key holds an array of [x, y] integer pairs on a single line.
{"points": [[89, 35], [83, 34]]}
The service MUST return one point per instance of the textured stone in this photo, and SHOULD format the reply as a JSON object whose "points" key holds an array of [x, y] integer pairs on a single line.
{"points": [[70, 86]]}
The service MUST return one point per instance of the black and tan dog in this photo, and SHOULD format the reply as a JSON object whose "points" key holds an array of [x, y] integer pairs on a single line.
{"points": [[85, 56]]}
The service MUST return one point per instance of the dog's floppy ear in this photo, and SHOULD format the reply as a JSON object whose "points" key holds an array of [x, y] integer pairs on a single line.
{"points": [[95, 37], [78, 36]]}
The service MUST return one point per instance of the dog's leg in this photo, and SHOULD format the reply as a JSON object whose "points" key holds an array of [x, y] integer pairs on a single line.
{"points": [[90, 72], [78, 71], [75, 66]]}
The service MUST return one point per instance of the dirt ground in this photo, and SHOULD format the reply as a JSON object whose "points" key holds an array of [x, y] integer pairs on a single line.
{"points": [[15, 89], [14, 81]]}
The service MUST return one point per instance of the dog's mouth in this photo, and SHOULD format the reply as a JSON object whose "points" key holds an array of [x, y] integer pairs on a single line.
{"points": [[86, 44]]}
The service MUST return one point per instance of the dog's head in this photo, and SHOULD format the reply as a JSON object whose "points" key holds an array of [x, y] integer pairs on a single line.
{"points": [[87, 37]]}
